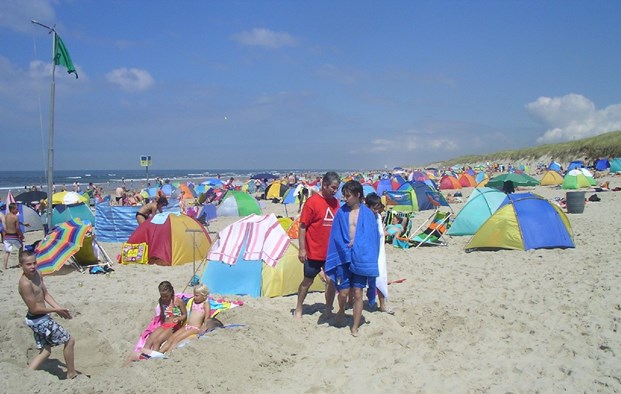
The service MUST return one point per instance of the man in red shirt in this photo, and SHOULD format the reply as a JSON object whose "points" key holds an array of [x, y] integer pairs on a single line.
{"points": [[315, 225]]}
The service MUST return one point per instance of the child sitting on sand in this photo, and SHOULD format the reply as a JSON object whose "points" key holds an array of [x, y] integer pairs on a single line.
{"points": [[199, 320], [172, 316]]}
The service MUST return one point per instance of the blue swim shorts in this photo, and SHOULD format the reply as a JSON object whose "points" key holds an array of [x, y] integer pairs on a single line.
{"points": [[345, 279]]}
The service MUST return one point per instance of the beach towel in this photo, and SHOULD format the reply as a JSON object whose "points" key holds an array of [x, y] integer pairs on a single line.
{"points": [[363, 255], [266, 240], [216, 306]]}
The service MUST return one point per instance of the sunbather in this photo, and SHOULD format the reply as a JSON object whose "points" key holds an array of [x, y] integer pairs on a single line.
{"points": [[198, 322], [172, 316]]}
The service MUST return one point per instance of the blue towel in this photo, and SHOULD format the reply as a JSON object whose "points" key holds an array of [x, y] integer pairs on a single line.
{"points": [[364, 254]]}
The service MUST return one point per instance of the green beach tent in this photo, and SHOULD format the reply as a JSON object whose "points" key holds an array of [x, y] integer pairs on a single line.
{"points": [[237, 203], [575, 179]]}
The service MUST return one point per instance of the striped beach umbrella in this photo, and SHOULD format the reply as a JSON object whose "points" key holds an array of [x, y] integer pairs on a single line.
{"points": [[68, 198], [60, 244]]}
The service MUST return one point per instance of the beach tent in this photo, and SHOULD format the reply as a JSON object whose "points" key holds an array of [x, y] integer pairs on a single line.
{"points": [[554, 166], [63, 213], [420, 199], [167, 189], [169, 242], [551, 177], [575, 164], [466, 180], [255, 257], [28, 216], [480, 176], [602, 164], [448, 182], [480, 206], [237, 203], [589, 176], [615, 165], [524, 221], [384, 185], [575, 179]]}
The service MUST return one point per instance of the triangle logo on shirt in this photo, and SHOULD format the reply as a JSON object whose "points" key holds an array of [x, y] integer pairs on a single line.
{"points": [[328, 218]]}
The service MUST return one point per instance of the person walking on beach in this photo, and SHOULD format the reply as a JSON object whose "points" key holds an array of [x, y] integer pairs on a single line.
{"points": [[47, 332], [12, 236], [315, 225], [353, 251]]}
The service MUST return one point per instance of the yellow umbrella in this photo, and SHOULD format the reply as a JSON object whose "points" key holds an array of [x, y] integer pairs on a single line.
{"points": [[68, 198]]}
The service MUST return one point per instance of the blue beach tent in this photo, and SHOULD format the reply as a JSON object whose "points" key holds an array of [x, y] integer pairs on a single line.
{"points": [[575, 164], [524, 221], [602, 164]]}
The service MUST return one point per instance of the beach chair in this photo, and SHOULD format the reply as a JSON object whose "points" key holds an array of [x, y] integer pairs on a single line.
{"points": [[91, 254], [407, 219], [433, 235]]}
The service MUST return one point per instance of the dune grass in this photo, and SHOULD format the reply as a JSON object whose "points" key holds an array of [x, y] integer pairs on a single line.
{"points": [[603, 145]]}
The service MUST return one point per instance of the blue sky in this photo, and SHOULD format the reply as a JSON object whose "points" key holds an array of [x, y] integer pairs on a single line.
{"points": [[304, 84]]}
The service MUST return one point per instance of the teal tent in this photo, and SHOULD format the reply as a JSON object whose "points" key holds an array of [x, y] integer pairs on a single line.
{"points": [[480, 206]]}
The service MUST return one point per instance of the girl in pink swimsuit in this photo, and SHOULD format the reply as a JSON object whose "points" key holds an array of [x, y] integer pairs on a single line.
{"points": [[198, 322]]}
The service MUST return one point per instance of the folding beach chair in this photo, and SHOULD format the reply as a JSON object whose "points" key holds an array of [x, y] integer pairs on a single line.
{"points": [[433, 235], [406, 217], [91, 254]]}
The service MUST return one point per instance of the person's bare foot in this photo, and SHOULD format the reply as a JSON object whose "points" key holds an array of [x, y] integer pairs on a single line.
{"points": [[355, 333], [297, 315], [71, 375]]}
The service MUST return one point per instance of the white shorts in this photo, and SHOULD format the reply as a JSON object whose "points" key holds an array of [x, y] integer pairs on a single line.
{"points": [[9, 244]]}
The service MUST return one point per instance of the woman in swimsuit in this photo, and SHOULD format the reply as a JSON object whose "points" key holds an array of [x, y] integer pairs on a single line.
{"points": [[172, 316], [199, 319], [151, 208]]}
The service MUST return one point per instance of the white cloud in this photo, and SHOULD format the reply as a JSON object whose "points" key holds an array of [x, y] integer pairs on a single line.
{"points": [[17, 14], [131, 79], [264, 38], [573, 116], [413, 141]]}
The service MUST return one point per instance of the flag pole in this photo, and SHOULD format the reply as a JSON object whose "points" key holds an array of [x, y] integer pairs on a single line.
{"points": [[50, 149]]}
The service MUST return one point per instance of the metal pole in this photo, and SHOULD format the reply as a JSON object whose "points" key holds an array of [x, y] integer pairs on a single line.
{"points": [[50, 150]]}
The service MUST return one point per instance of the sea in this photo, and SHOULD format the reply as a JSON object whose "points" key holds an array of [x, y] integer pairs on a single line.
{"points": [[19, 181]]}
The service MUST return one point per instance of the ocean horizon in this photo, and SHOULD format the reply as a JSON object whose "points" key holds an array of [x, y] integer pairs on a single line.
{"points": [[18, 181]]}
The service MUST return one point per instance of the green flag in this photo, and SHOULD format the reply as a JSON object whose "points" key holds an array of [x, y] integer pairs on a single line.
{"points": [[61, 55]]}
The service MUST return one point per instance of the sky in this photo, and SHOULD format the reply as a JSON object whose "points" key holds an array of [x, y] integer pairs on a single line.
{"points": [[288, 84]]}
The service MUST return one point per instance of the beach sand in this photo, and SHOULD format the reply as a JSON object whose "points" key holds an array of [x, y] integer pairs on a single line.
{"points": [[505, 321]]}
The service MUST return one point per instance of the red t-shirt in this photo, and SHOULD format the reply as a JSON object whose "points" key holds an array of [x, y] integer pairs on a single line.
{"points": [[317, 216]]}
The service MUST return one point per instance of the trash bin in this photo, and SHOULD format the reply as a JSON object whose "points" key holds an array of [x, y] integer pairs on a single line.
{"points": [[575, 202]]}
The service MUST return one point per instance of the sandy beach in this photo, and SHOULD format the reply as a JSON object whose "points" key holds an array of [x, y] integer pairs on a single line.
{"points": [[504, 321]]}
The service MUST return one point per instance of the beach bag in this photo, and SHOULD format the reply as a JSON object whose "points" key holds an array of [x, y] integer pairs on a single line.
{"points": [[135, 253]]}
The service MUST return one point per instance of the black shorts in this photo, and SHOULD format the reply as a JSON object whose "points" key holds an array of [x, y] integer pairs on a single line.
{"points": [[313, 267]]}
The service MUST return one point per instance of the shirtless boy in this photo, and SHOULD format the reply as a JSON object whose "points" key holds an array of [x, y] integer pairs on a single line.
{"points": [[47, 332], [12, 236]]}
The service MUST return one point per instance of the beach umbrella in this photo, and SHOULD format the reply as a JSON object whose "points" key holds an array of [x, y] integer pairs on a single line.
{"points": [[60, 244], [31, 196], [67, 198], [517, 179]]}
